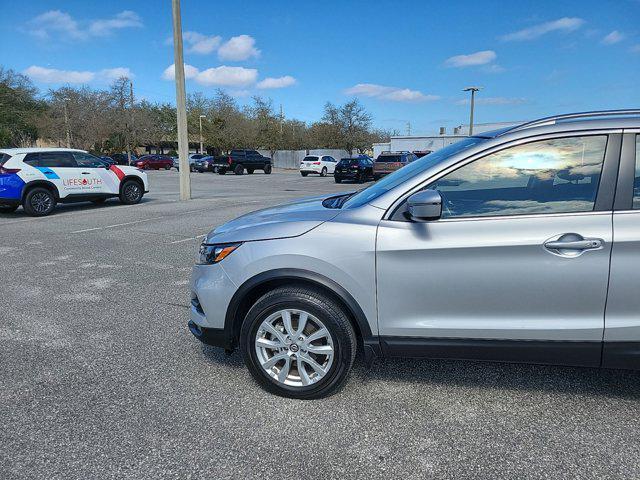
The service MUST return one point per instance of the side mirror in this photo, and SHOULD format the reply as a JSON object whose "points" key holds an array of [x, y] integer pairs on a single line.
{"points": [[425, 205]]}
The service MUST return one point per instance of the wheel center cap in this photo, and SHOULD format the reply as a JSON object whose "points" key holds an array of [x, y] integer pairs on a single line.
{"points": [[293, 347]]}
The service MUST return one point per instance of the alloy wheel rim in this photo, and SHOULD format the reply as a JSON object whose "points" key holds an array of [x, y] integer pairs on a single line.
{"points": [[294, 348], [41, 202], [132, 192]]}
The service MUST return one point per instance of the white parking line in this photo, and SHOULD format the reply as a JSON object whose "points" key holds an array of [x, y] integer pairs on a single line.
{"points": [[118, 225], [188, 239]]}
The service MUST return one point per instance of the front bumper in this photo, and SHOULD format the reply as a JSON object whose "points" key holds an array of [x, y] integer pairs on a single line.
{"points": [[211, 292], [211, 336], [11, 202]]}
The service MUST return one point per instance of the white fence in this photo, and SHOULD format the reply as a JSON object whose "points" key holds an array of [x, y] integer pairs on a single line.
{"points": [[291, 158]]}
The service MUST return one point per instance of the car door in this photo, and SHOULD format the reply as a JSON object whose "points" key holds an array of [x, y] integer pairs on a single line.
{"points": [[61, 169], [104, 178], [516, 268], [331, 164], [621, 347]]}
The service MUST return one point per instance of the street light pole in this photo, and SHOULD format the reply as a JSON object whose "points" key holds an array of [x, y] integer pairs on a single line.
{"points": [[181, 104], [66, 123], [200, 119], [473, 91]]}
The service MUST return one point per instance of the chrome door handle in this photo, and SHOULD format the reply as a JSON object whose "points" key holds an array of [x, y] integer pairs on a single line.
{"points": [[572, 245], [586, 244]]}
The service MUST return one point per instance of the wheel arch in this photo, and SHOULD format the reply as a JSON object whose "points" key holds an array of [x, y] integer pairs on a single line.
{"points": [[130, 177], [40, 183], [255, 287]]}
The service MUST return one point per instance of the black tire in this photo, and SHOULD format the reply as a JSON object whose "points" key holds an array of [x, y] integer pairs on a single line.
{"points": [[222, 171], [131, 192], [337, 179], [361, 178], [323, 308], [167, 167], [304, 174], [267, 169], [39, 202], [249, 171], [8, 208], [98, 201], [238, 170], [376, 178], [323, 172], [215, 170]]}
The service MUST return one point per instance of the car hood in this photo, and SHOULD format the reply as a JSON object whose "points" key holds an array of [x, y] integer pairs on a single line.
{"points": [[283, 221]]}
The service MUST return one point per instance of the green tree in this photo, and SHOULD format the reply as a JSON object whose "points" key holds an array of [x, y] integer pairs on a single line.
{"points": [[19, 109]]}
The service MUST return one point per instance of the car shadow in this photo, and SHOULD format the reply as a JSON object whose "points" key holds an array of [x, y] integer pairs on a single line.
{"points": [[71, 207], [504, 376], [479, 375]]}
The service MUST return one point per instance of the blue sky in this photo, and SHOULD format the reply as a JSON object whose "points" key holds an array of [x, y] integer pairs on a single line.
{"points": [[407, 61]]}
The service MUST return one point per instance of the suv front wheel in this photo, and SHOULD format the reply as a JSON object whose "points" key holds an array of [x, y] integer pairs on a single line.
{"points": [[298, 343]]}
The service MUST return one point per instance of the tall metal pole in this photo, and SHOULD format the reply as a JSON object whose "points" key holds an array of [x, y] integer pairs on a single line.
{"points": [[200, 119], [181, 104], [473, 91], [132, 131]]}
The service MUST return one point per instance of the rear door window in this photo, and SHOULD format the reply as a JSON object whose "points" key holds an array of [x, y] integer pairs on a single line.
{"points": [[57, 159], [389, 158], [87, 160]]}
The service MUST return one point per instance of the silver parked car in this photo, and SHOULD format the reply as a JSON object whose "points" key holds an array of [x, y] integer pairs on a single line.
{"points": [[519, 245]]}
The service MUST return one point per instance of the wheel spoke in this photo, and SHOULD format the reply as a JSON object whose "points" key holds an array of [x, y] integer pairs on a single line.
{"points": [[274, 331], [302, 322], [275, 359], [284, 371], [322, 333], [319, 369], [304, 376], [320, 349], [286, 319], [266, 343]]}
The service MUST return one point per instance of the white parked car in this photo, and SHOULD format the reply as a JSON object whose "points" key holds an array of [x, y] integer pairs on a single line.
{"points": [[320, 164]]}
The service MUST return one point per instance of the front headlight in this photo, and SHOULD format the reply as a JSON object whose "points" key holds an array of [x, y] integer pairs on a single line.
{"points": [[210, 254]]}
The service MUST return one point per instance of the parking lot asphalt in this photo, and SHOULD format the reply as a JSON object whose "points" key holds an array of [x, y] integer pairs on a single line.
{"points": [[100, 377]]}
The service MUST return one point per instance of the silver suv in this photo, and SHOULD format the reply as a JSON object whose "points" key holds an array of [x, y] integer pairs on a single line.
{"points": [[519, 245]]}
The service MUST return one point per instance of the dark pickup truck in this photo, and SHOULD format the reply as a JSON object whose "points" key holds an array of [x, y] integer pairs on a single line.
{"points": [[239, 161]]}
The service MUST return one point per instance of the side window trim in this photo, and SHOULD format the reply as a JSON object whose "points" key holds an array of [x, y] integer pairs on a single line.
{"points": [[396, 211], [626, 173]]}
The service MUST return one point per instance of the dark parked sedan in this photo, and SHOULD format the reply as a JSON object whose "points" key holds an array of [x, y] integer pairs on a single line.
{"points": [[357, 169]]}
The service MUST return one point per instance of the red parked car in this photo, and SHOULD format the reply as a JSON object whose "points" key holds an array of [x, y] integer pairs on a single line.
{"points": [[147, 162]]}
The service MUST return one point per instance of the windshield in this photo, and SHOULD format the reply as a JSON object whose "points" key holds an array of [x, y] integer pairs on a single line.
{"points": [[310, 159], [411, 170]]}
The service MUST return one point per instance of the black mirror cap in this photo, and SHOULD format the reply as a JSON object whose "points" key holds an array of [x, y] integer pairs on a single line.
{"points": [[425, 205]]}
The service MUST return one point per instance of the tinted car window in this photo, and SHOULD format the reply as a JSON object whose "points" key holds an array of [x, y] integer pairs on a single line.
{"points": [[636, 183], [389, 158], [549, 176], [310, 159], [86, 160], [4, 157], [237, 152], [57, 159]]}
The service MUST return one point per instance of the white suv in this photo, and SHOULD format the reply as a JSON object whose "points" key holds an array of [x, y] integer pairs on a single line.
{"points": [[320, 164], [38, 178]]}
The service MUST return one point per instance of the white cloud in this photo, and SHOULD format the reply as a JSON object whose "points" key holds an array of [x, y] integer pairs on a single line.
{"points": [[227, 76], [613, 38], [238, 48], [565, 24], [493, 101], [116, 73], [223, 76], [280, 82], [199, 43], [189, 72], [124, 19], [478, 58], [58, 24], [388, 93], [53, 75]]}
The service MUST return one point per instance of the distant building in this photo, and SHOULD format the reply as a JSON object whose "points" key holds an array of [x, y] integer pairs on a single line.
{"points": [[435, 142]]}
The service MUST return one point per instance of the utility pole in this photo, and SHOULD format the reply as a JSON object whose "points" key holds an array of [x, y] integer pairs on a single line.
{"points": [[132, 125], [473, 91], [281, 119], [66, 123], [181, 104], [408, 129], [200, 120]]}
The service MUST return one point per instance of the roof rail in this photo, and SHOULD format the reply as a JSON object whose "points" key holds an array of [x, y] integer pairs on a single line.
{"points": [[554, 119]]}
